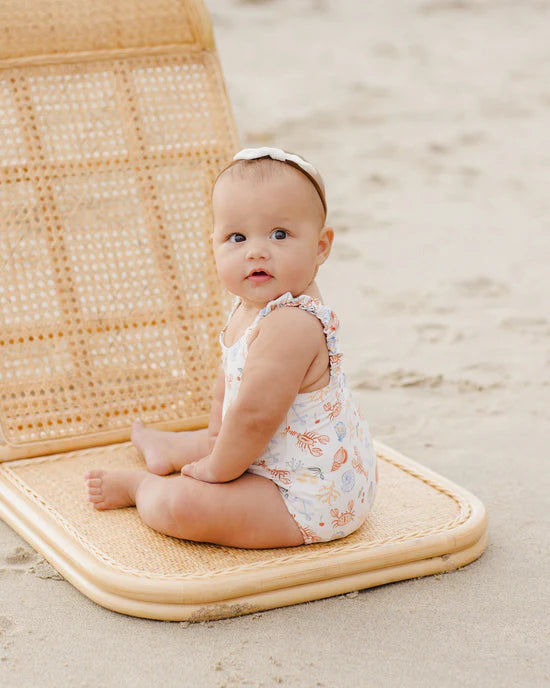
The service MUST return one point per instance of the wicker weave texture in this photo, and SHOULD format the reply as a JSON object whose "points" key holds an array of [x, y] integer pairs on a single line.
{"points": [[34, 27], [110, 307], [407, 508]]}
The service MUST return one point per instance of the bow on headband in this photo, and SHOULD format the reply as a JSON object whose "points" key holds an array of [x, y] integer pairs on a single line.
{"points": [[282, 156]]}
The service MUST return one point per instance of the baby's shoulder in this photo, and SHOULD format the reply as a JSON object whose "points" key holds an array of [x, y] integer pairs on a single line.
{"points": [[293, 320], [287, 326]]}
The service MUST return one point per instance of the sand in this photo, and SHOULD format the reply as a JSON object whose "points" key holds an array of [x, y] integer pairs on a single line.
{"points": [[429, 120]]}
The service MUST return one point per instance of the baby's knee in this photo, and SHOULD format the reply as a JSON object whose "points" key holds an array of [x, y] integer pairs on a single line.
{"points": [[182, 507]]}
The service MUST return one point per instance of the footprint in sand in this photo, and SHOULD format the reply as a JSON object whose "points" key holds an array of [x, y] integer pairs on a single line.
{"points": [[396, 378], [448, 6], [438, 148], [376, 180], [25, 560], [19, 558], [345, 252], [483, 287], [7, 629], [46, 571], [431, 332], [6, 626], [526, 324], [411, 378], [472, 138]]}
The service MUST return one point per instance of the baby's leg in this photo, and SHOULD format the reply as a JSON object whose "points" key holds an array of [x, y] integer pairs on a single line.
{"points": [[166, 452], [113, 489], [246, 512]]}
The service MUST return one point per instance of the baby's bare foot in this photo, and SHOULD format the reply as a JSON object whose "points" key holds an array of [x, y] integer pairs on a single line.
{"points": [[113, 489], [155, 445]]}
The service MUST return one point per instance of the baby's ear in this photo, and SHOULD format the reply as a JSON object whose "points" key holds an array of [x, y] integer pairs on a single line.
{"points": [[324, 244]]}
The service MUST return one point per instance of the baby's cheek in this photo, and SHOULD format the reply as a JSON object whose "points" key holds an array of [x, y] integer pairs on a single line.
{"points": [[227, 271]]}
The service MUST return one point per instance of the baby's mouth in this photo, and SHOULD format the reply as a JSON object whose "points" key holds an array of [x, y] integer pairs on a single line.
{"points": [[258, 276]]}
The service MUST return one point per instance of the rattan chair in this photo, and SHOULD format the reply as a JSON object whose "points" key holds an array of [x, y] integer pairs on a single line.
{"points": [[115, 121]]}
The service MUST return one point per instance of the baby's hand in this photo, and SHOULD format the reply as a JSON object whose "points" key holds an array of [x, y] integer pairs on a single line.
{"points": [[200, 470]]}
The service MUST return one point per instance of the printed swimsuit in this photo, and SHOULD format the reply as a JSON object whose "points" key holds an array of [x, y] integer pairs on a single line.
{"points": [[321, 456]]}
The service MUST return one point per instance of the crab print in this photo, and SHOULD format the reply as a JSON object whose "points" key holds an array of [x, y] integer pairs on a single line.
{"points": [[342, 518]]}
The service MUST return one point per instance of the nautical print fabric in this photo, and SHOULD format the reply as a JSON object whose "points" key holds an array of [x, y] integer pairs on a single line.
{"points": [[321, 457]]}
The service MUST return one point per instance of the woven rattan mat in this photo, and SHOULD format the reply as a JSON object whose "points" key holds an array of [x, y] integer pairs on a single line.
{"points": [[421, 523], [406, 507]]}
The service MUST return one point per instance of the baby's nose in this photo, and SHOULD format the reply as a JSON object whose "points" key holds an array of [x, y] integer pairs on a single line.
{"points": [[257, 250]]}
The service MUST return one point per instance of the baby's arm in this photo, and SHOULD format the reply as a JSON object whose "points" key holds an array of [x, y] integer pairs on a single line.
{"points": [[215, 420], [287, 344]]}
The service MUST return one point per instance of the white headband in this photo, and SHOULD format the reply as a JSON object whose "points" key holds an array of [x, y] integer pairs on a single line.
{"points": [[283, 156], [275, 154]]}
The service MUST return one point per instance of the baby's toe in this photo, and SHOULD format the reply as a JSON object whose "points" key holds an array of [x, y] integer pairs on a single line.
{"points": [[95, 499], [94, 482], [94, 477]]}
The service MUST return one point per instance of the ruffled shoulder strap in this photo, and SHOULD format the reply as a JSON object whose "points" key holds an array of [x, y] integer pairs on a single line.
{"points": [[326, 315], [231, 313]]}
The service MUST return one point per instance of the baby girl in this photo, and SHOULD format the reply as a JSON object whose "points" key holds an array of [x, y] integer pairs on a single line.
{"points": [[287, 457]]}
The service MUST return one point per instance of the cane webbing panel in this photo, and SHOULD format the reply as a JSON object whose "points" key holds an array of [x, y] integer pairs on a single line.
{"points": [[109, 302], [418, 517], [34, 27]]}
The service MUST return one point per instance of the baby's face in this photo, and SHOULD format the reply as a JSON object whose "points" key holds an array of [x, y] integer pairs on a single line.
{"points": [[269, 235]]}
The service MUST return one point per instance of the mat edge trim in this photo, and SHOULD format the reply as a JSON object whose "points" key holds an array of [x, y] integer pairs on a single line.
{"points": [[47, 536]]}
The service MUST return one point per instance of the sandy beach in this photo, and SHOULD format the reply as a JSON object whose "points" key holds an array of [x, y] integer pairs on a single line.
{"points": [[429, 120]]}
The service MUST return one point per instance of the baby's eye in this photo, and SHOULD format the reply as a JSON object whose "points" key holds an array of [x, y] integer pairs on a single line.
{"points": [[279, 234], [236, 237]]}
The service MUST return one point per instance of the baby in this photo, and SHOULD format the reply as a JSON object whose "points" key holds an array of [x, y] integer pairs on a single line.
{"points": [[287, 458]]}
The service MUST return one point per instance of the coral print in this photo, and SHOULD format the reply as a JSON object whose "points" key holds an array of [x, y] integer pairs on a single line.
{"points": [[328, 493], [333, 410], [330, 498], [357, 463]]}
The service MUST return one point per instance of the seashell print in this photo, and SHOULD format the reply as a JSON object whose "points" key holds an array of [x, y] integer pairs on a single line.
{"points": [[340, 429], [340, 458], [348, 481]]}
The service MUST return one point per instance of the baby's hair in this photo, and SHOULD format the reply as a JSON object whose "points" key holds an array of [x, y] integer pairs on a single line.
{"points": [[264, 169]]}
